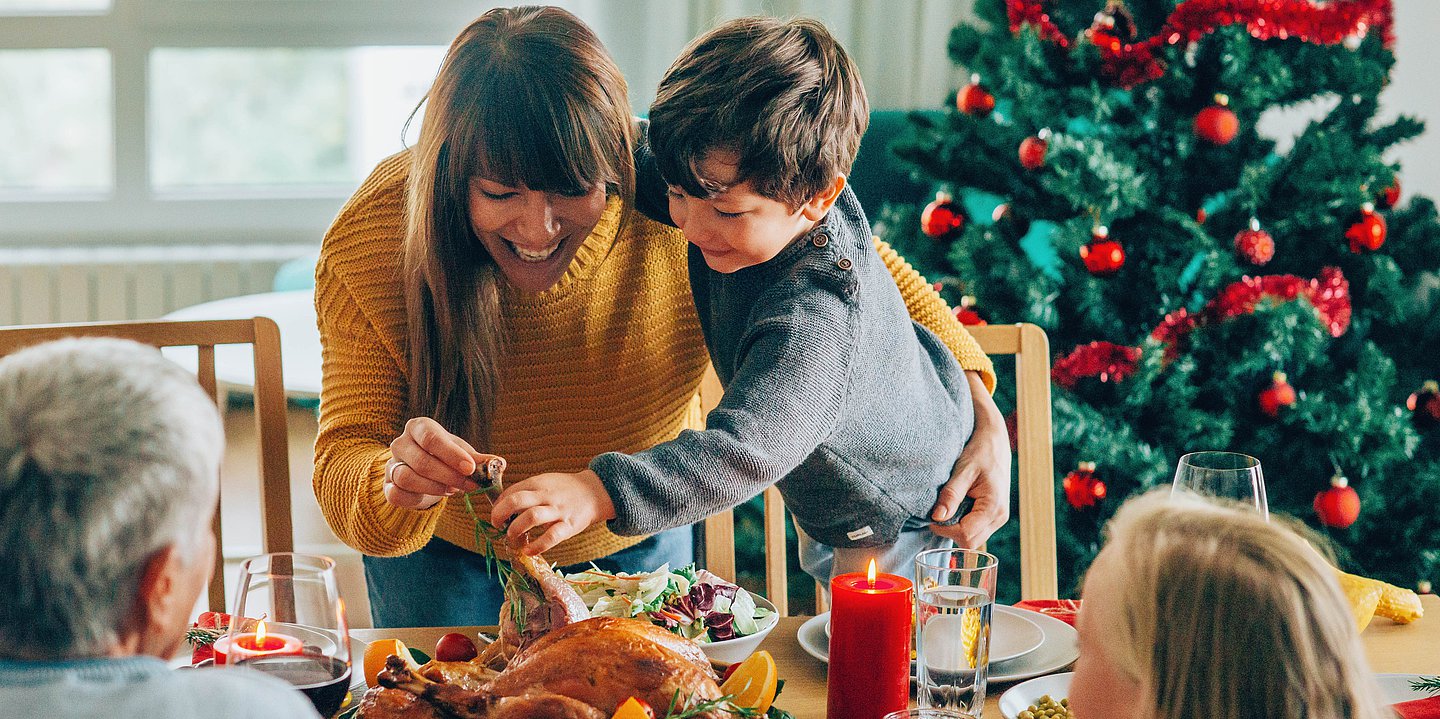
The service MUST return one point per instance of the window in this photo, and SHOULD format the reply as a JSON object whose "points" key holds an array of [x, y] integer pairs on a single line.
{"points": [[252, 121], [191, 121]]}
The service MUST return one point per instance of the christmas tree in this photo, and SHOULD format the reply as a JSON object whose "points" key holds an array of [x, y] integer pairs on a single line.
{"points": [[1202, 287]]}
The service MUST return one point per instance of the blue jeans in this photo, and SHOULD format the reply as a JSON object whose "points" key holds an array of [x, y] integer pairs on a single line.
{"points": [[443, 585]]}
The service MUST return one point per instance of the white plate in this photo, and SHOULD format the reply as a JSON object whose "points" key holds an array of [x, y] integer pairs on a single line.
{"points": [[1056, 651], [1395, 688], [1011, 635], [1019, 697]]}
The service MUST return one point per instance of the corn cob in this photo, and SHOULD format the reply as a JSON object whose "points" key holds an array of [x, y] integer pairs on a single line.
{"points": [[1397, 604]]}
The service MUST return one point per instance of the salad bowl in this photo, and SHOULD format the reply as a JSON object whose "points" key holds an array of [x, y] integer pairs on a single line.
{"points": [[739, 649], [725, 620]]}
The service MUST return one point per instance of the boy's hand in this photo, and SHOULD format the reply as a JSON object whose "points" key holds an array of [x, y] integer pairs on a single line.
{"points": [[982, 473], [562, 504]]}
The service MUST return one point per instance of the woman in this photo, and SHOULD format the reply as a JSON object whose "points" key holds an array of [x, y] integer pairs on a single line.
{"points": [[1195, 609], [495, 289]]}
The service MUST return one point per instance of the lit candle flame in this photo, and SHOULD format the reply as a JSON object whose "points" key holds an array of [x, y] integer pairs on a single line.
{"points": [[260, 636], [870, 574]]}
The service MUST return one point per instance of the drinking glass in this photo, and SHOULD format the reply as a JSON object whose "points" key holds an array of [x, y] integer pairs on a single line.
{"points": [[1228, 475], [916, 713], [954, 594], [289, 622]]}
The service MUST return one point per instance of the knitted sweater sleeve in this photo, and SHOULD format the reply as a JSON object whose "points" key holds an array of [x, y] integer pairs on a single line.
{"points": [[929, 309], [362, 402], [364, 390], [790, 376]]}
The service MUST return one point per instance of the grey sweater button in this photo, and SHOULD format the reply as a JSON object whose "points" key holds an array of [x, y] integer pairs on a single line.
{"points": [[843, 263], [820, 240]]}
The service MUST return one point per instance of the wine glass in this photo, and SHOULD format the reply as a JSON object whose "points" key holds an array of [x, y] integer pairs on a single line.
{"points": [[289, 622], [1229, 475]]}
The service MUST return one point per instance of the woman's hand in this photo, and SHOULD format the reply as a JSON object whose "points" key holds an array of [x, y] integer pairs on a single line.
{"points": [[562, 504], [427, 463], [982, 473]]}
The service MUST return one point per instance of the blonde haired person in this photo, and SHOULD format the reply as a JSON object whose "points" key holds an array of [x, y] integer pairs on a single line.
{"points": [[495, 289], [1201, 609]]}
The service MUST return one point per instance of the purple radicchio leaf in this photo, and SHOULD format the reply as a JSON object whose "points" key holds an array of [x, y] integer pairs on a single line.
{"points": [[664, 620], [722, 626], [702, 596]]}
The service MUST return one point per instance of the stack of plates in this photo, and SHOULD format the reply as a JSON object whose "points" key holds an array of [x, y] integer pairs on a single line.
{"points": [[1023, 644]]}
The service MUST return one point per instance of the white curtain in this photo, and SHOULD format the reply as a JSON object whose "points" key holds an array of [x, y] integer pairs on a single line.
{"points": [[899, 45]]}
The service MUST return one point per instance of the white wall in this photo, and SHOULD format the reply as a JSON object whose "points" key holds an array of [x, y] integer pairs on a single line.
{"points": [[1415, 90]]}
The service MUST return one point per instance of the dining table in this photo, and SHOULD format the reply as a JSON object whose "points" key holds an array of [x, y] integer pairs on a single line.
{"points": [[1391, 648]]}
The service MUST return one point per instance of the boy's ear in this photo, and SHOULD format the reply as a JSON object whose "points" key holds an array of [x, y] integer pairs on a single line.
{"points": [[823, 200]]}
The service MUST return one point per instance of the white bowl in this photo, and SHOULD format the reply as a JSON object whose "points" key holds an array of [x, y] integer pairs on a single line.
{"points": [[1019, 697], [740, 648]]}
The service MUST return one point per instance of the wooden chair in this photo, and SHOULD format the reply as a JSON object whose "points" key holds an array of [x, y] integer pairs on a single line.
{"points": [[263, 335], [1035, 464]]}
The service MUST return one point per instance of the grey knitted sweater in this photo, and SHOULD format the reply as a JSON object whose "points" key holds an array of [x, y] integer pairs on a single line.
{"points": [[831, 391]]}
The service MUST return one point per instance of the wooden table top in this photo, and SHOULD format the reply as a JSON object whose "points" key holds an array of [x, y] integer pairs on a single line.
{"points": [[1392, 648]]}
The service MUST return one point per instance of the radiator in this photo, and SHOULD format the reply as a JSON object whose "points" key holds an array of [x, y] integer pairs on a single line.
{"points": [[99, 284]]}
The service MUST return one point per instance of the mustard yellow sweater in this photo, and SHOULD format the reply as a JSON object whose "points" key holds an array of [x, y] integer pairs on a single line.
{"points": [[610, 359]]}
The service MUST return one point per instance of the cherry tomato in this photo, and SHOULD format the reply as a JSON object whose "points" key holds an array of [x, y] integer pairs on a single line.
{"points": [[454, 647], [729, 670]]}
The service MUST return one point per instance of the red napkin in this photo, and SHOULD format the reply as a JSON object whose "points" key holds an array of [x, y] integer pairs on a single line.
{"points": [[1062, 609], [1428, 708]]}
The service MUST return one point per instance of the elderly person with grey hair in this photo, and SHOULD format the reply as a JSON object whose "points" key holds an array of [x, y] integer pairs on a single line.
{"points": [[109, 472]]}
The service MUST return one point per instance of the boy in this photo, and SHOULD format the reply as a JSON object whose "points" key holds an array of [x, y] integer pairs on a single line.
{"points": [[830, 390]]}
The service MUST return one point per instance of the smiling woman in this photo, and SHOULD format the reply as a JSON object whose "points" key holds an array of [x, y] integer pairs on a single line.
{"points": [[496, 290]]}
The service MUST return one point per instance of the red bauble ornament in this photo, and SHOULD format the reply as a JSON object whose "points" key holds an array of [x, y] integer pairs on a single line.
{"points": [[1338, 506], [1425, 405], [1255, 244], [1102, 255], [1082, 488], [967, 314], [1368, 232], [974, 99], [1032, 150], [942, 218], [1216, 124], [1278, 394], [1390, 196]]}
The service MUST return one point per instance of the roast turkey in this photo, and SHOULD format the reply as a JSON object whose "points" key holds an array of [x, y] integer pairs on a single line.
{"points": [[551, 661]]}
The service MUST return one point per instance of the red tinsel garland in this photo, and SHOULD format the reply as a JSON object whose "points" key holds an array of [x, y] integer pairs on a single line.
{"points": [[1105, 360], [1329, 293], [1131, 64]]}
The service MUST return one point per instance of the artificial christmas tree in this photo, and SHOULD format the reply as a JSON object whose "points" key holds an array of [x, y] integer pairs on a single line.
{"points": [[1169, 345]]}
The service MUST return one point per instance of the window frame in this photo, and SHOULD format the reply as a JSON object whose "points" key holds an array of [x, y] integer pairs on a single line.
{"points": [[132, 212]]}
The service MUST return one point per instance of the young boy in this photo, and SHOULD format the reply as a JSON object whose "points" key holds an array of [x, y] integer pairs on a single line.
{"points": [[831, 390]]}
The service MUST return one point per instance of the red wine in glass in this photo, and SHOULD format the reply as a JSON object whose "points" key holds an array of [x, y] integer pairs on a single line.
{"points": [[324, 680]]}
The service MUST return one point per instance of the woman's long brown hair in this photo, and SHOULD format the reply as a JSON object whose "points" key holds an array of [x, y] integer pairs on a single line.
{"points": [[525, 97]]}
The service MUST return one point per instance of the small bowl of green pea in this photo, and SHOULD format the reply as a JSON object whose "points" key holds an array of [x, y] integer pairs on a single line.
{"points": [[1041, 698]]}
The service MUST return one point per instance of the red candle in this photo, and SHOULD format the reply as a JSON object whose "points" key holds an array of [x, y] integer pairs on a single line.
{"points": [[256, 644], [871, 619]]}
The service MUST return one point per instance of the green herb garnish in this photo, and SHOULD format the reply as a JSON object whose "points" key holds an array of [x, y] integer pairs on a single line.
{"points": [[1426, 684]]}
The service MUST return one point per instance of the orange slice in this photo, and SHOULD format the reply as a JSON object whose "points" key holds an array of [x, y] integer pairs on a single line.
{"points": [[376, 654], [633, 709], [752, 685]]}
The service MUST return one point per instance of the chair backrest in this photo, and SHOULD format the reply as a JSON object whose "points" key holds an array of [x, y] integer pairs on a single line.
{"points": [[1035, 464], [263, 335]]}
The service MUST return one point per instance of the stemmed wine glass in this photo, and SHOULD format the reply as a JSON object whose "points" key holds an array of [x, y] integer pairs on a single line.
{"points": [[289, 622], [1228, 475]]}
